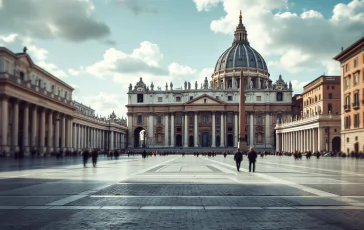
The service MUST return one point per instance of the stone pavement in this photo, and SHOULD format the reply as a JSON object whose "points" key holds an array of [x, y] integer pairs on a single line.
{"points": [[175, 192]]}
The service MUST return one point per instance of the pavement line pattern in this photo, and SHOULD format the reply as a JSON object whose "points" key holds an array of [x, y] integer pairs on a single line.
{"points": [[84, 194], [281, 181], [155, 208]]}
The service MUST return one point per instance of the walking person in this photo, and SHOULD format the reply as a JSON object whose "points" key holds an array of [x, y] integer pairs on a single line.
{"points": [[252, 156], [238, 157], [85, 156], [94, 157]]}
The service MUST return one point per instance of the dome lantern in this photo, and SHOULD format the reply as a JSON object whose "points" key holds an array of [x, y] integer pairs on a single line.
{"points": [[240, 34]]}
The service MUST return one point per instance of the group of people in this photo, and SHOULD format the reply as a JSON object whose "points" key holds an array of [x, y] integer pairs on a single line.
{"points": [[252, 157], [87, 154]]}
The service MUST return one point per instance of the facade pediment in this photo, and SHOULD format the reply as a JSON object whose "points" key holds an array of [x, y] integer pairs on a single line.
{"points": [[205, 100], [26, 60]]}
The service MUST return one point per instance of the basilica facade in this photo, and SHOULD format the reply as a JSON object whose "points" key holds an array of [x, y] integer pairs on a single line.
{"points": [[206, 114]]}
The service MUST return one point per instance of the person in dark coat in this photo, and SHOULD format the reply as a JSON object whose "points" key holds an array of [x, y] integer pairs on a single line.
{"points": [[238, 157], [252, 156], [85, 156], [94, 157]]}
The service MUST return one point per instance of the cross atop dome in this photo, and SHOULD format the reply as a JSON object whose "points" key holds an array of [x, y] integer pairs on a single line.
{"points": [[240, 34]]}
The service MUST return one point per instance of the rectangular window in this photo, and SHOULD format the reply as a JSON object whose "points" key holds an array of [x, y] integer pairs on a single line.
{"points": [[279, 97], [330, 95], [329, 109], [191, 97], [347, 99], [328, 87], [320, 97], [230, 98], [332, 87], [347, 122], [191, 121], [230, 119], [260, 120], [178, 99], [356, 79], [356, 99], [230, 129], [179, 120], [347, 83], [356, 121], [160, 99], [140, 119], [259, 98], [205, 120], [140, 98], [355, 62], [279, 117], [179, 130], [159, 120], [217, 97], [347, 67]]}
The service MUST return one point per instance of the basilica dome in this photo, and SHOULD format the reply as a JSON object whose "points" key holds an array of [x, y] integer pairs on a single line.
{"points": [[240, 54]]}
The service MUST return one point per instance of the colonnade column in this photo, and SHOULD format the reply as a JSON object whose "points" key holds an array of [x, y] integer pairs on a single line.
{"points": [[26, 128], [63, 133], [196, 130], [319, 139], [185, 144], [251, 126], [235, 128], [172, 130], [213, 130], [222, 130], [56, 136], [283, 142], [74, 145], [50, 132], [166, 130], [5, 124], [150, 129], [34, 127], [15, 126], [42, 131], [130, 131]]}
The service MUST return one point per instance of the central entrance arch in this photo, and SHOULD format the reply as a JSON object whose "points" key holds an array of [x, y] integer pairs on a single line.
{"points": [[191, 141], [336, 144], [179, 140], [230, 140], [139, 137]]}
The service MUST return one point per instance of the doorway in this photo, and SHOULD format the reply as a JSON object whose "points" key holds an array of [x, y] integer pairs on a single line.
{"points": [[191, 141], [218, 141], [205, 139], [139, 137], [230, 140], [179, 140], [336, 144]]}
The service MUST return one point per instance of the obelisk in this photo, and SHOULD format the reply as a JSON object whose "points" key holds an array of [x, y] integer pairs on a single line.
{"points": [[242, 142]]}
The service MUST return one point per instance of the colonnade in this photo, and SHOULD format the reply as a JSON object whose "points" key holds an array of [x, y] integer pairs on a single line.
{"points": [[28, 127], [311, 139]]}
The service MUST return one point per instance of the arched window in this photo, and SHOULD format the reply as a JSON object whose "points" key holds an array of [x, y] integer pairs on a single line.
{"points": [[21, 75], [260, 120]]}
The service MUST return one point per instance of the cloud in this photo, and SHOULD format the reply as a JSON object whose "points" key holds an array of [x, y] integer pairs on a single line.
{"points": [[105, 103], [298, 85], [135, 6], [176, 69], [70, 20], [304, 41]]}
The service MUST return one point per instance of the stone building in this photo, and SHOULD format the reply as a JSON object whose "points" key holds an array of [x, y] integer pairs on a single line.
{"points": [[317, 128], [37, 112], [352, 97], [206, 114]]}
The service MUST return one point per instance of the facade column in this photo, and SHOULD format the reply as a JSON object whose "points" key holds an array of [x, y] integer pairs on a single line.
{"points": [[69, 134], [314, 149], [26, 128], [251, 126], [320, 140], [111, 140], [42, 131], [34, 128], [150, 129], [63, 133], [283, 142], [235, 126], [196, 130], [213, 130], [4, 124], [172, 130], [56, 134], [267, 130], [78, 137], [166, 143], [15, 126], [186, 131], [50, 132], [222, 130], [130, 132]]}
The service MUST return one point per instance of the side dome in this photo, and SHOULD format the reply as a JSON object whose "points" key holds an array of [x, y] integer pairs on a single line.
{"points": [[240, 54]]}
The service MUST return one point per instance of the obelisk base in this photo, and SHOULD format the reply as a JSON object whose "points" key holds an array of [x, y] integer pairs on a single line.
{"points": [[242, 145]]}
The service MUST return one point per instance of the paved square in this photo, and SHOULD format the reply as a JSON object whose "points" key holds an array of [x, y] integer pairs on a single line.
{"points": [[175, 192]]}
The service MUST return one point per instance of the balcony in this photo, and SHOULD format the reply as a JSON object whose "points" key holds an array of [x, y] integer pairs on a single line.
{"points": [[356, 105], [347, 108]]}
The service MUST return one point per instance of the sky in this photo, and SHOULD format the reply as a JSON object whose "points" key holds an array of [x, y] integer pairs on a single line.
{"points": [[99, 47]]}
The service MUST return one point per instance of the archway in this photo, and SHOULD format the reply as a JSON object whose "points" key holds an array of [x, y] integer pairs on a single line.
{"points": [[139, 137], [336, 144], [179, 140], [217, 141], [230, 140], [205, 139], [191, 141]]}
